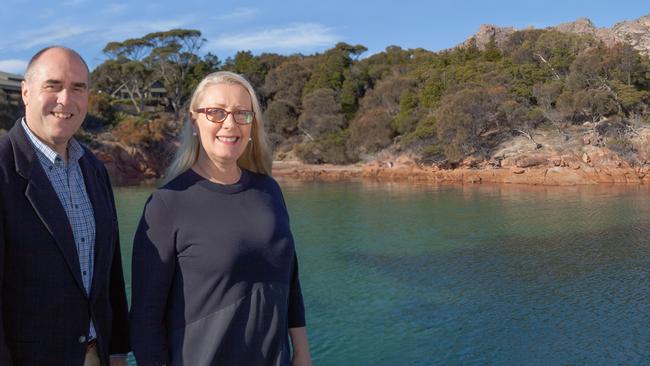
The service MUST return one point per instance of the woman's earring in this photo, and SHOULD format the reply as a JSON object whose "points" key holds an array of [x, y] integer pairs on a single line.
{"points": [[193, 133], [250, 139]]}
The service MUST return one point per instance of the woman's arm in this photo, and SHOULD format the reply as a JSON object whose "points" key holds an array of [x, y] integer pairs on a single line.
{"points": [[301, 356], [153, 268]]}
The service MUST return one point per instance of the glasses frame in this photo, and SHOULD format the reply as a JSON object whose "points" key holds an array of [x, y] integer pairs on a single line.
{"points": [[207, 115]]}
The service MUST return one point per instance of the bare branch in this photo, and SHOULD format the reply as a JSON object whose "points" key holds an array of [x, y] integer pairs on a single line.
{"points": [[555, 74]]}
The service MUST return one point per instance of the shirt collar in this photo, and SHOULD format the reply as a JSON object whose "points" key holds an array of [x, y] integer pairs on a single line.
{"points": [[75, 151]]}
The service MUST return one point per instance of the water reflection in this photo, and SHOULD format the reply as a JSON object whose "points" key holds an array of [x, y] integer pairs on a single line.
{"points": [[404, 274]]}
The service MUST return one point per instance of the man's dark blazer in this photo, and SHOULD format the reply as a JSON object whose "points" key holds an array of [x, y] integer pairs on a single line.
{"points": [[45, 313]]}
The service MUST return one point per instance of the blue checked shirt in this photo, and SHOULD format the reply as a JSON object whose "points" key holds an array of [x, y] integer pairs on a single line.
{"points": [[68, 182]]}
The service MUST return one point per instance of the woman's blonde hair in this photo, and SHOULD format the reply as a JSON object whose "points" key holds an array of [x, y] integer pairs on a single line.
{"points": [[256, 157]]}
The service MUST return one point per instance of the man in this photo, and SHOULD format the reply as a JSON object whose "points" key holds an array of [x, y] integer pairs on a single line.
{"points": [[62, 290]]}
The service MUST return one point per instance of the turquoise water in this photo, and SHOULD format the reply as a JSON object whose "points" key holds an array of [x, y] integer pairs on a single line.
{"points": [[397, 274]]}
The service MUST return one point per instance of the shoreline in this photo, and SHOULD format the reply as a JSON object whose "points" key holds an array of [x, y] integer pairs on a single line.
{"points": [[410, 172], [582, 174]]}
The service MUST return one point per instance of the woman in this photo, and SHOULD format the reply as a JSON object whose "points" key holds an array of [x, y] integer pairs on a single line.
{"points": [[215, 275]]}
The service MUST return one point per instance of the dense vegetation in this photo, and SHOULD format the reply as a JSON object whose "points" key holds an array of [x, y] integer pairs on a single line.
{"points": [[338, 107]]}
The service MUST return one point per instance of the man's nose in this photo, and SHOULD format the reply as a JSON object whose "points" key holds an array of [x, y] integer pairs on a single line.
{"points": [[63, 97]]}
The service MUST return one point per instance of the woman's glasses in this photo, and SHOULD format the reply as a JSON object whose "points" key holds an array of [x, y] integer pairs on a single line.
{"points": [[218, 115]]}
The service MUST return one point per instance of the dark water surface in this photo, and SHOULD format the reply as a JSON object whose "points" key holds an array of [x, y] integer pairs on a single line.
{"points": [[397, 274]]}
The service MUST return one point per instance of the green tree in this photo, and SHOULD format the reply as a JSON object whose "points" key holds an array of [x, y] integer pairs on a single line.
{"points": [[586, 104], [173, 56], [126, 71], [467, 119], [101, 112], [246, 64], [329, 72], [370, 132], [407, 118], [281, 118], [286, 82], [322, 114], [546, 96], [557, 51]]}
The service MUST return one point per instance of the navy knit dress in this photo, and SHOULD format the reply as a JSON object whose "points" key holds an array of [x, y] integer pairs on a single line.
{"points": [[215, 275]]}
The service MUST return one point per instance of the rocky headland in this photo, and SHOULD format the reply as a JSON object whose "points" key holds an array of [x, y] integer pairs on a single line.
{"points": [[555, 159], [573, 156], [558, 162]]}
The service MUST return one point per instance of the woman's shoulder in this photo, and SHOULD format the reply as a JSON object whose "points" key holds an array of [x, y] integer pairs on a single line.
{"points": [[182, 181], [176, 186], [262, 180]]}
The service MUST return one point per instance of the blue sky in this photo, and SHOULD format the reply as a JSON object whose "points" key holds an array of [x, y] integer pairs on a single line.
{"points": [[281, 26]]}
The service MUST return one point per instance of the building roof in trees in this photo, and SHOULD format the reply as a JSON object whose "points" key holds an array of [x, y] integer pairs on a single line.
{"points": [[10, 83]]}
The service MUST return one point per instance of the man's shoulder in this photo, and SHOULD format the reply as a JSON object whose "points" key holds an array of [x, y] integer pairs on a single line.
{"points": [[6, 149], [93, 161], [88, 154], [14, 143], [5, 144], [7, 158]]}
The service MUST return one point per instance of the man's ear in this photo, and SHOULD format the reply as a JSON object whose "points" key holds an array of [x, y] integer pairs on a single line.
{"points": [[24, 91]]}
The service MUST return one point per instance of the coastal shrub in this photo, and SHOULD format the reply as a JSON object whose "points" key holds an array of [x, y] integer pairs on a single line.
{"points": [[387, 94], [281, 118], [358, 81], [556, 50], [274, 140], [520, 46], [322, 113], [328, 149], [371, 131], [286, 82], [432, 154], [147, 132], [101, 113], [623, 148], [246, 64], [406, 119], [613, 127], [425, 131], [329, 71], [464, 101], [469, 120], [586, 105], [632, 99]]}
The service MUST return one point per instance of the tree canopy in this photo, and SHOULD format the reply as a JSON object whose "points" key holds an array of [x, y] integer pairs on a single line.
{"points": [[336, 106]]}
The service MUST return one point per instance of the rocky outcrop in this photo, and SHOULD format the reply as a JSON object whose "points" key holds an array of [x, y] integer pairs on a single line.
{"points": [[128, 165], [517, 161], [488, 32], [633, 32], [581, 174], [585, 26]]}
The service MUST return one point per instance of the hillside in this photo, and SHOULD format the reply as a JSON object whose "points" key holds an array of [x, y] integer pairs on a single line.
{"points": [[570, 96]]}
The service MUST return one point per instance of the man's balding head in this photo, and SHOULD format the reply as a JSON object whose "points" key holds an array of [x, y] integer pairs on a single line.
{"points": [[29, 72], [55, 94]]}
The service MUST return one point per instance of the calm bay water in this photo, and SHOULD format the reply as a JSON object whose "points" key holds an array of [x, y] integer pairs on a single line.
{"points": [[397, 274]]}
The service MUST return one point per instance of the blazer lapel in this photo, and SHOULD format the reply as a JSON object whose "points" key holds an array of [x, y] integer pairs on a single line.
{"points": [[43, 198], [98, 195]]}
